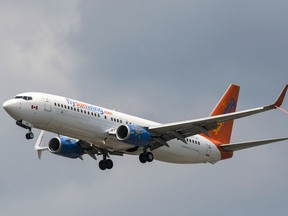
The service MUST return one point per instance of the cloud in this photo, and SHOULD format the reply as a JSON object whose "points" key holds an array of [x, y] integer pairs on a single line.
{"points": [[34, 44]]}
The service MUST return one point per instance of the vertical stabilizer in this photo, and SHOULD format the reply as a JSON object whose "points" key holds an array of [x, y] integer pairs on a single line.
{"points": [[227, 104]]}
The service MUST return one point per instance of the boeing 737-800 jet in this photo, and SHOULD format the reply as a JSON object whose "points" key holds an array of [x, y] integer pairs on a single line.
{"points": [[88, 129]]}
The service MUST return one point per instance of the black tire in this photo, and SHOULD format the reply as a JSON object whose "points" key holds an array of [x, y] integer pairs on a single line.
{"points": [[102, 165], [142, 158], [31, 135], [149, 157], [27, 136], [109, 164]]}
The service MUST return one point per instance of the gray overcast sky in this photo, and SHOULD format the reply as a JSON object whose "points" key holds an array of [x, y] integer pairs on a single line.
{"points": [[162, 60]]}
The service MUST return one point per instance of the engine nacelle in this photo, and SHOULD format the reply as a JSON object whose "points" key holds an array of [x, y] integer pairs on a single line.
{"points": [[134, 135], [65, 147]]}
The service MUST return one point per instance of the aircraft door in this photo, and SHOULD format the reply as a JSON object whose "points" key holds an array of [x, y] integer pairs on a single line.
{"points": [[47, 104], [208, 151]]}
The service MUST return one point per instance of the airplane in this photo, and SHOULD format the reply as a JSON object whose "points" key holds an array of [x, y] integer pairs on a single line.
{"points": [[84, 128]]}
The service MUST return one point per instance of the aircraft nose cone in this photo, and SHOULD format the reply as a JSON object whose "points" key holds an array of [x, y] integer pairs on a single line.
{"points": [[9, 106]]}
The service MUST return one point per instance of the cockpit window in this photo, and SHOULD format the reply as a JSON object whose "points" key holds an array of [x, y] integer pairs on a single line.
{"points": [[24, 97], [27, 98]]}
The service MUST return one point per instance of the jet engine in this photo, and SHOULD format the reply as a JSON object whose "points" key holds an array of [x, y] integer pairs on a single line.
{"points": [[134, 135], [65, 147]]}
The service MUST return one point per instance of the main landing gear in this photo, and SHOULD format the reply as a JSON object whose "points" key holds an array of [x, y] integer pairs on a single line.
{"points": [[146, 157], [105, 163], [28, 126]]}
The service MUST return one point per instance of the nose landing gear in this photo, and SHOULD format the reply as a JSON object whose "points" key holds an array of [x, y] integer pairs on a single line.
{"points": [[28, 126], [29, 135]]}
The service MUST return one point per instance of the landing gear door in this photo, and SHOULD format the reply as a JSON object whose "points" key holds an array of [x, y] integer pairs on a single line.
{"points": [[47, 104]]}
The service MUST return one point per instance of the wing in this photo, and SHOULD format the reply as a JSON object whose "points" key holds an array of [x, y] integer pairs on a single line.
{"points": [[93, 150], [181, 130]]}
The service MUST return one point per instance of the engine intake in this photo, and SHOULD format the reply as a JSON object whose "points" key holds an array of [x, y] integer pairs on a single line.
{"points": [[134, 135]]}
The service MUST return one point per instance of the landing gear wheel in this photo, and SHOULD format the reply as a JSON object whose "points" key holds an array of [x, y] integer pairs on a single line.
{"points": [[102, 165], [149, 157], [142, 158], [146, 157], [109, 164], [106, 164], [29, 135]]}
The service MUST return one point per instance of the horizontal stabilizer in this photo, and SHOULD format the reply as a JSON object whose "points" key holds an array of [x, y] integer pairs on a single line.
{"points": [[244, 145]]}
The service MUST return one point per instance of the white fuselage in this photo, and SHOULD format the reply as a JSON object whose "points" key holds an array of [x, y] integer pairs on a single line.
{"points": [[92, 124]]}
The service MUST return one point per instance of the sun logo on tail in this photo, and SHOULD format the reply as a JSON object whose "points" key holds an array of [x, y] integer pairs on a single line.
{"points": [[230, 107]]}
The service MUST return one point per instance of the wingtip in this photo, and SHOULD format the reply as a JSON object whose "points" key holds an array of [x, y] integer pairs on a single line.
{"points": [[281, 97], [39, 152]]}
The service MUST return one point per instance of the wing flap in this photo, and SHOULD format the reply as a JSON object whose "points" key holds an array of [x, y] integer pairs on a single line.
{"points": [[250, 144]]}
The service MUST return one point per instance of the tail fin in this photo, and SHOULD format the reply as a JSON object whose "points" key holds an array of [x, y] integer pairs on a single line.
{"points": [[227, 104]]}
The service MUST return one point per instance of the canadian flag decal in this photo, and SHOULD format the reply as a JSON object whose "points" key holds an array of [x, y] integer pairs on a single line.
{"points": [[34, 107]]}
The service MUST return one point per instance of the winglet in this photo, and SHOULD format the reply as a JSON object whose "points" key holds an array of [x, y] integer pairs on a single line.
{"points": [[281, 97], [38, 144]]}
